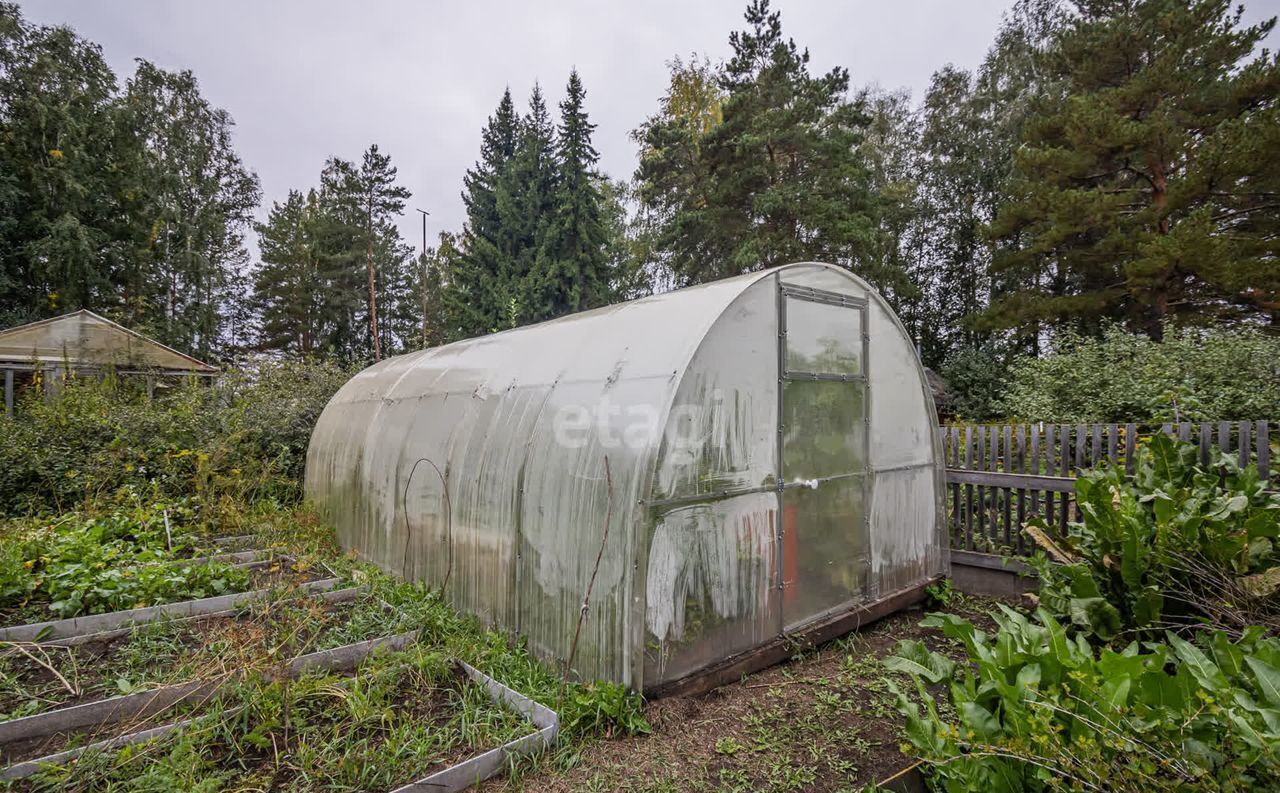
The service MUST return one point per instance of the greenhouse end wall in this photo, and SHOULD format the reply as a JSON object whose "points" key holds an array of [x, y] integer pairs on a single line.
{"points": [[743, 457]]}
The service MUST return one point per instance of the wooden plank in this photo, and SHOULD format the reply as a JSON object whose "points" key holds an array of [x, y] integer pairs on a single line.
{"points": [[1065, 439], [1262, 438], [1130, 446], [1242, 435], [982, 491], [1113, 443], [1081, 442], [1051, 468], [8, 392], [1009, 466], [1022, 494], [968, 490], [1184, 432], [1206, 442], [1224, 437], [1095, 452], [1057, 484]]}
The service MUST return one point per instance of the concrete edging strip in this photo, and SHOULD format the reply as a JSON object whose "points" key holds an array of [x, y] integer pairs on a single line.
{"points": [[152, 701], [95, 623], [330, 596], [479, 768], [332, 660]]}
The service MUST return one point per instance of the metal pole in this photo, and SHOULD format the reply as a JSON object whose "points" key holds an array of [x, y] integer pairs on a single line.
{"points": [[423, 276]]}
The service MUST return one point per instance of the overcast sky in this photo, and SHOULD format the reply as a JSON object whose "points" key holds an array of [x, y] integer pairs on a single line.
{"points": [[306, 79]]}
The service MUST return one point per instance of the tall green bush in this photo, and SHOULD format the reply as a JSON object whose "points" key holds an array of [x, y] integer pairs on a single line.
{"points": [[1175, 543], [243, 437], [1033, 709], [1194, 374]]}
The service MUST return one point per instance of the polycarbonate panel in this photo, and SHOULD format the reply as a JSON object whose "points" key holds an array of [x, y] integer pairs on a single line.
{"points": [[826, 278], [711, 583], [721, 432], [679, 392], [905, 506], [823, 338], [825, 549], [903, 420], [824, 429]]}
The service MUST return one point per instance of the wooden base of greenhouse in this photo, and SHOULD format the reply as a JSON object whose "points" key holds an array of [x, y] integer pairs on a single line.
{"points": [[780, 649]]}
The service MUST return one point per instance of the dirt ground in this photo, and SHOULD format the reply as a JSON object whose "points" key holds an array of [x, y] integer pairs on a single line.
{"points": [[823, 721]]}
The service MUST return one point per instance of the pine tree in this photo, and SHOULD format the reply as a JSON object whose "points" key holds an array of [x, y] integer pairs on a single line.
{"points": [[380, 199], [287, 285], [769, 171], [573, 268], [1144, 190]]}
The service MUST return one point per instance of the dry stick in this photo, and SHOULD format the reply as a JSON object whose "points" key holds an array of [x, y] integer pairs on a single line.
{"points": [[582, 613], [46, 663]]}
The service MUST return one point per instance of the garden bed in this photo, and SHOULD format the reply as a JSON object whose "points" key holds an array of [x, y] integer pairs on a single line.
{"points": [[403, 716], [37, 677]]}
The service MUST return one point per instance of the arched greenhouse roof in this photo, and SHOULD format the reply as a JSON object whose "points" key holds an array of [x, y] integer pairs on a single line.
{"points": [[668, 437]]}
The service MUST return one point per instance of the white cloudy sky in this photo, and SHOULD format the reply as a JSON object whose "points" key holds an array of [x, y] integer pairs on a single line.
{"points": [[305, 79]]}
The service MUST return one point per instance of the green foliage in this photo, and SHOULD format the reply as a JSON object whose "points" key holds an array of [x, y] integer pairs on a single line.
{"points": [[759, 163], [976, 378], [1176, 541], [119, 560], [1192, 375], [132, 203], [939, 595], [243, 438], [1035, 710], [1142, 186], [320, 252]]}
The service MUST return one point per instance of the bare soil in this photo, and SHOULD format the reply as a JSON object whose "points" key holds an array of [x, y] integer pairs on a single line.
{"points": [[823, 721]]}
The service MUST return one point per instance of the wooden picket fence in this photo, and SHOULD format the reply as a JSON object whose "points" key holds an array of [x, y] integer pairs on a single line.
{"points": [[1000, 476]]}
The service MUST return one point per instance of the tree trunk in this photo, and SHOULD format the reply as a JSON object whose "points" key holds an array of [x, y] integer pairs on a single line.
{"points": [[1160, 294]]}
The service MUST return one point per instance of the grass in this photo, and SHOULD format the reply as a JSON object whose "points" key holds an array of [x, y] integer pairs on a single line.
{"points": [[403, 715]]}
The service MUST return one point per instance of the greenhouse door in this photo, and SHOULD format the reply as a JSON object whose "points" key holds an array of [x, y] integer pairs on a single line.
{"points": [[822, 438]]}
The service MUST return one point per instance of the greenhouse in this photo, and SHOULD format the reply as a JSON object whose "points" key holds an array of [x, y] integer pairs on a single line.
{"points": [[722, 468]]}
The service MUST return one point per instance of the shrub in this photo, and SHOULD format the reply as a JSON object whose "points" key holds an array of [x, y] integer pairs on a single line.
{"points": [[976, 378], [1193, 375], [1034, 710], [121, 559], [1175, 542], [243, 438]]}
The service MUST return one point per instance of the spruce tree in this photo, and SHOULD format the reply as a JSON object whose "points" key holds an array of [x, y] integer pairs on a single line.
{"points": [[573, 272], [476, 300], [287, 284], [1145, 189], [526, 203]]}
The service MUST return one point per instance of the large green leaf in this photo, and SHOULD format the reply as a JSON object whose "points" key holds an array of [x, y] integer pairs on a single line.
{"points": [[1268, 678], [1206, 673], [915, 659]]}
